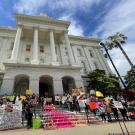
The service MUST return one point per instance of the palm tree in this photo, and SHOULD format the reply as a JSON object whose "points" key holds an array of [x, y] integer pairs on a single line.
{"points": [[116, 41], [108, 55]]}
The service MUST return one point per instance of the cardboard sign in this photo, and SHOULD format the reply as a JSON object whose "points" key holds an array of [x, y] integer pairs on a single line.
{"points": [[48, 99], [118, 104], [64, 98]]}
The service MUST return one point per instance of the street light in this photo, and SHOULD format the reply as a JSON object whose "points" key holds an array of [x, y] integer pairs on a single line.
{"points": [[106, 50]]}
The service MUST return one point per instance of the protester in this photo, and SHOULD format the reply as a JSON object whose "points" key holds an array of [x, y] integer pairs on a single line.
{"points": [[102, 112], [124, 111], [114, 110], [33, 103], [29, 116], [108, 111]]}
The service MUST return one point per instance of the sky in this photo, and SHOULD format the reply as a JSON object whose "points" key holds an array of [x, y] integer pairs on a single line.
{"points": [[90, 18]]}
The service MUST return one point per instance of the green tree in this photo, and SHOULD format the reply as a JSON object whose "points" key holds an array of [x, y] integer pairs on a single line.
{"points": [[130, 78], [107, 84], [113, 86], [116, 41]]}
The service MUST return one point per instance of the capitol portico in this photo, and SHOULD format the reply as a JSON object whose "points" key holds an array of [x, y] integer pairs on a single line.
{"points": [[40, 55]]}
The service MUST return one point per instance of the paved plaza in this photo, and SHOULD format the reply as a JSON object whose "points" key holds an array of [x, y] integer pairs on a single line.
{"points": [[102, 129]]}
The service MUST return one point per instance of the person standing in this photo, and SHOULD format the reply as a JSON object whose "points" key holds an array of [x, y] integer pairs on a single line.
{"points": [[108, 111], [114, 110], [33, 103], [102, 112], [29, 116]]}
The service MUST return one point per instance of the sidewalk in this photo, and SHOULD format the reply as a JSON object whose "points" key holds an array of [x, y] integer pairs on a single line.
{"points": [[103, 129]]}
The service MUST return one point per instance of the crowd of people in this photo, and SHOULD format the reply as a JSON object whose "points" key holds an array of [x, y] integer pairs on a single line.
{"points": [[72, 102]]}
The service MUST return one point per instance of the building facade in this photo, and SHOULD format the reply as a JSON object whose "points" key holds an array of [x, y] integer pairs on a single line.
{"points": [[40, 55]]}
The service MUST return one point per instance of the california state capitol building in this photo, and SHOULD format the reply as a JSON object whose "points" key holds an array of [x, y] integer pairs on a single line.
{"points": [[40, 55]]}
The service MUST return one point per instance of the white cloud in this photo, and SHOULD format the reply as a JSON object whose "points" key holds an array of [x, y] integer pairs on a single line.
{"points": [[72, 5], [68, 6], [120, 19], [119, 60], [29, 6], [74, 28]]}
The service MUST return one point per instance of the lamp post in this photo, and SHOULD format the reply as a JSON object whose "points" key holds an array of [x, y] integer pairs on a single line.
{"points": [[106, 50]]}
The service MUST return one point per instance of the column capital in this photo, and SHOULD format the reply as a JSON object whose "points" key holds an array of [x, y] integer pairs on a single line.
{"points": [[20, 25], [65, 31], [51, 30], [35, 27]]}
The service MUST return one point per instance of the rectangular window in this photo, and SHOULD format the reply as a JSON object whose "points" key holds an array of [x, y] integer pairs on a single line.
{"points": [[79, 52], [41, 49], [66, 51], [28, 48], [96, 65], [91, 53], [27, 59], [12, 45], [41, 60]]}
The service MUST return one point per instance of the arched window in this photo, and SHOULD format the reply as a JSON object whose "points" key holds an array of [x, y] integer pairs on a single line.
{"points": [[79, 52], [68, 84]]}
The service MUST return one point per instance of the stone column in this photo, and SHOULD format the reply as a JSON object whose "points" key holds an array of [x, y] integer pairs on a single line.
{"points": [[34, 84], [53, 49], [7, 86], [70, 53], [89, 59], [58, 87], [35, 47], [15, 51]]}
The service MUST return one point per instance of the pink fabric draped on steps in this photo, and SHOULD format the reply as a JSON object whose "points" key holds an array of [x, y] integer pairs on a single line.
{"points": [[49, 108], [60, 120]]}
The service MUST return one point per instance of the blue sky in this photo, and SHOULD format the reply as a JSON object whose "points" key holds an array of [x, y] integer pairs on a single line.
{"points": [[91, 18]]}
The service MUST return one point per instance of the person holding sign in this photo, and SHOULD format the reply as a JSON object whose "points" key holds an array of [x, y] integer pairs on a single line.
{"points": [[114, 110], [123, 112]]}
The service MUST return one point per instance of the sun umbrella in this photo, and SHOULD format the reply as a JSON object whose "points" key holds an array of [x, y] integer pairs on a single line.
{"points": [[99, 94]]}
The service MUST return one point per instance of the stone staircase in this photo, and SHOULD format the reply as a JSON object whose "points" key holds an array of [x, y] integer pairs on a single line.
{"points": [[62, 118]]}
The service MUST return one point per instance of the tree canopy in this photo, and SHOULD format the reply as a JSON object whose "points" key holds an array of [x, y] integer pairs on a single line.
{"points": [[130, 78], [107, 84]]}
